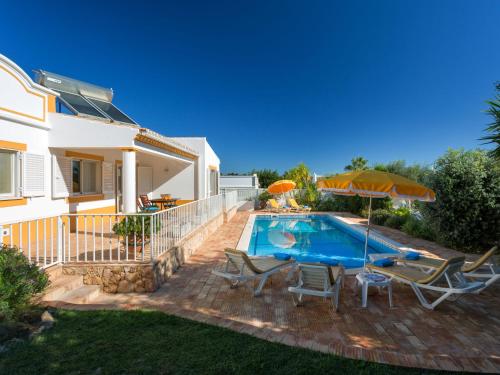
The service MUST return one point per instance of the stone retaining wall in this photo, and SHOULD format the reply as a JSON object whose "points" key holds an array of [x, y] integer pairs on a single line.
{"points": [[142, 277]]}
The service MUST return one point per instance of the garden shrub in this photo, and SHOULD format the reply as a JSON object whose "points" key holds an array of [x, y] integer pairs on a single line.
{"points": [[309, 196], [466, 213], [419, 228], [397, 218], [395, 221], [379, 216], [326, 204], [20, 281]]}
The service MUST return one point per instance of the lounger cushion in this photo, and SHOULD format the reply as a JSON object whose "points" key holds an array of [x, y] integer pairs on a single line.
{"points": [[407, 273], [384, 262], [282, 256], [412, 255]]}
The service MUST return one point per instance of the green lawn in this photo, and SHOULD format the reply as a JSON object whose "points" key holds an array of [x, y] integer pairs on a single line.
{"points": [[145, 342]]}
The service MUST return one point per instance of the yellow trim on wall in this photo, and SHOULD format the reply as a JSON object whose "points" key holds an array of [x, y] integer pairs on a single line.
{"points": [[213, 167], [97, 211], [29, 92], [180, 202], [13, 146], [85, 198], [51, 104], [75, 154], [128, 149], [13, 202], [154, 142]]}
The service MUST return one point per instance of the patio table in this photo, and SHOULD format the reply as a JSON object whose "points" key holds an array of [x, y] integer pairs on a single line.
{"points": [[366, 280], [170, 202]]}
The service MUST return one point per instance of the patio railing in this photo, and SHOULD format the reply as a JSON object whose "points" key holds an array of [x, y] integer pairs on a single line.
{"points": [[37, 238], [244, 194], [230, 200], [113, 237]]}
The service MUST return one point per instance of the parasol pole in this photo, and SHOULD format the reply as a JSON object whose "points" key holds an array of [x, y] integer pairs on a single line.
{"points": [[367, 233]]}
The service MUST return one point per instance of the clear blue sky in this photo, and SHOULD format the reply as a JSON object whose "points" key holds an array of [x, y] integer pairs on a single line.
{"points": [[274, 83]]}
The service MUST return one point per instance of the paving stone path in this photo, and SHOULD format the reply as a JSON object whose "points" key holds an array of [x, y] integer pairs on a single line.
{"points": [[462, 335]]}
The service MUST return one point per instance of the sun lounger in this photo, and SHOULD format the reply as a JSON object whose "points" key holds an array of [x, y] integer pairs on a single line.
{"points": [[447, 280], [239, 267], [275, 207], [297, 207], [318, 280], [485, 268]]}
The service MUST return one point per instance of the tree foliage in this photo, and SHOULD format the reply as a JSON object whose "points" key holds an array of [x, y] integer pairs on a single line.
{"points": [[300, 175], [415, 172], [494, 128], [466, 213], [358, 163], [266, 176]]}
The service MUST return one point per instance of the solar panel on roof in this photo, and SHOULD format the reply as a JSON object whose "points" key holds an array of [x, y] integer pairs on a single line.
{"points": [[110, 110], [80, 105]]}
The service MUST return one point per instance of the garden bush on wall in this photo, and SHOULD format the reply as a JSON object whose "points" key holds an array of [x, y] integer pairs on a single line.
{"points": [[20, 280], [466, 213]]}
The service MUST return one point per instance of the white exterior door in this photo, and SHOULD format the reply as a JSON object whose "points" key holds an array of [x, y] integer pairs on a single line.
{"points": [[145, 181]]}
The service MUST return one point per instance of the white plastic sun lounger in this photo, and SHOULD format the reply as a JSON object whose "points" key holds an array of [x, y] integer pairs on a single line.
{"points": [[486, 268], [447, 280], [320, 280], [239, 267]]}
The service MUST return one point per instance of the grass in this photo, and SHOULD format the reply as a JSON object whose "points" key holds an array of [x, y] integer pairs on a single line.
{"points": [[147, 342]]}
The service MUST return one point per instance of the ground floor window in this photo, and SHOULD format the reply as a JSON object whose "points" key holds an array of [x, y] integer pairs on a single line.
{"points": [[214, 182], [7, 173], [86, 176]]}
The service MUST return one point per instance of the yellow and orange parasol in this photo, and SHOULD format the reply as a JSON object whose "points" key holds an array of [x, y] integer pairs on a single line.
{"points": [[281, 187], [376, 184]]}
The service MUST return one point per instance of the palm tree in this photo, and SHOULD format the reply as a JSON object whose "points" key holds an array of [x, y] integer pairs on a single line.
{"points": [[358, 163], [494, 127]]}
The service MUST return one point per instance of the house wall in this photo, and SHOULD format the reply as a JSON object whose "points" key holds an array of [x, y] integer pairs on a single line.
{"points": [[170, 176], [207, 159], [239, 181]]}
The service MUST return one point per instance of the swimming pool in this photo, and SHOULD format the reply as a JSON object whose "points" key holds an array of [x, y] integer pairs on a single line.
{"points": [[312, 238]]}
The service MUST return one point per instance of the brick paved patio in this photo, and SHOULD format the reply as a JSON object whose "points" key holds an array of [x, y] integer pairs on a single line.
{"points": [[462, 335]]}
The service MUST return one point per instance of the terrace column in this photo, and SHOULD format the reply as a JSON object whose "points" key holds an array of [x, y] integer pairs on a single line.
{"points": [[129, 181]]}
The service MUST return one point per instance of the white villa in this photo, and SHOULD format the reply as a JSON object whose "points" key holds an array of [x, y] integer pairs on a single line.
{"points": [[66, 149]]}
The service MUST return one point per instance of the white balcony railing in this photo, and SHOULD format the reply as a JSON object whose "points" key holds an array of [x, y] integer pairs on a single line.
{"points": [[113, 237]]}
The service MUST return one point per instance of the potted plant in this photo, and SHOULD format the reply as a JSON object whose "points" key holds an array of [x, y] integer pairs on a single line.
{"points": [[132, 229], [262, 199]]}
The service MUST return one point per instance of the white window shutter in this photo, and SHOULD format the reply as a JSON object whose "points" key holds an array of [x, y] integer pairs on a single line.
{"points": [[61, 176], [33, 175], [107, 178]]}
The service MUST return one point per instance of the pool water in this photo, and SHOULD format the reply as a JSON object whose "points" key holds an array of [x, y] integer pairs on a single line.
{"points": [[311, 238]]}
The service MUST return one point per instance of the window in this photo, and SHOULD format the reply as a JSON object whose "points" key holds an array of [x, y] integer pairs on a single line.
{"points": [[86, 176], [75, 166], [8, 173], [214, 182]]}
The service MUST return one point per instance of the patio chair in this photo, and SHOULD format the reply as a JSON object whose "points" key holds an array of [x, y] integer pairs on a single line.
{"points": [[239, 267], [318, 280], [275, 207], [297, 207], [486, 268], [145, 205], [447, 280]]}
